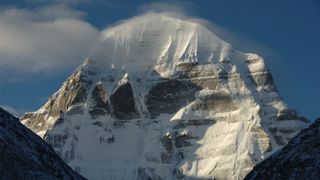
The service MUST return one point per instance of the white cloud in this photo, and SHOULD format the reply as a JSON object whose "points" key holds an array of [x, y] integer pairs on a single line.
{"points": [[173, 6], [45, 39]]}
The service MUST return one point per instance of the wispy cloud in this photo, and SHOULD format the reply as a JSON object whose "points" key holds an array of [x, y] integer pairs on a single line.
{"points": [[173, 6], [44, 39]]}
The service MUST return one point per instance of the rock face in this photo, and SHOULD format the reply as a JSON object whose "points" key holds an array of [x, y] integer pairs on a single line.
{"points": [[165, 98], [24, 155], [122, 100], [299, 159]]}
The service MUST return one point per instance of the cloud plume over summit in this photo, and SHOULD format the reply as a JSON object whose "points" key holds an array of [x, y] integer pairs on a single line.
{"points": [[43, 39]]}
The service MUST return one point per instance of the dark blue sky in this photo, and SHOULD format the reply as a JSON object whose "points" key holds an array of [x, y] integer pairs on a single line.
{"points": [[285, 33]]}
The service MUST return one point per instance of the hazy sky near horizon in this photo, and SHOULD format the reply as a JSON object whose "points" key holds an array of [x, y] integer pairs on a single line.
{"points": [[43, 41]]}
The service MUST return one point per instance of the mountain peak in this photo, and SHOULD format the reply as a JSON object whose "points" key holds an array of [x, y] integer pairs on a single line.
{"points": [[165, 98], [159, 40]]}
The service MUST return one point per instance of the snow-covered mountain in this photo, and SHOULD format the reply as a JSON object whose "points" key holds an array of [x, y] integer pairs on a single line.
{"points": [[24, 155], [163, 97], [299, 159]]}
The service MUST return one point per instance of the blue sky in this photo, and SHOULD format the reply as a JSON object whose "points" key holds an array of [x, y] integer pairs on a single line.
{"points": [[45, 40]]}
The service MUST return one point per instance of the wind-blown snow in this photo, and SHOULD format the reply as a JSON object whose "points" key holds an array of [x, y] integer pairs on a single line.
{"points": [[143, 42]]}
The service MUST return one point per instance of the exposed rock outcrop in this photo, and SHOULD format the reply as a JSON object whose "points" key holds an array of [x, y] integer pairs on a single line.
{"points": [[123, 101], [100, 102]]}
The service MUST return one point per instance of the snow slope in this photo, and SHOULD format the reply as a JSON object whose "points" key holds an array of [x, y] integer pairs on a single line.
{"points": [[24, 155], [163, 97]]}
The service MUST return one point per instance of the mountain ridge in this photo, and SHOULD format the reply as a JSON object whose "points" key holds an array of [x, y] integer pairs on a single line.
{"points": [[299, 159], [24, 155]]}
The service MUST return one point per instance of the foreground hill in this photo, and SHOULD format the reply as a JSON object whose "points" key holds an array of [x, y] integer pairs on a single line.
{"points": [[24, 155], [300, 159]]}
